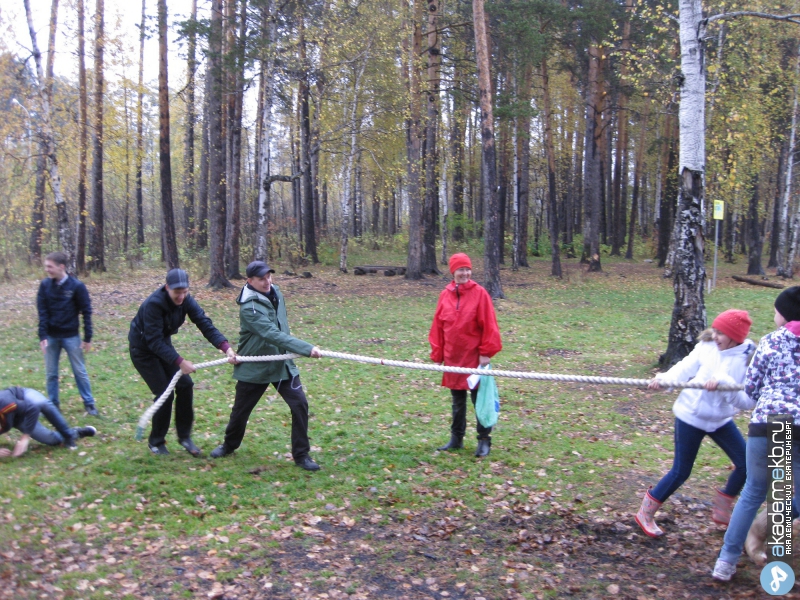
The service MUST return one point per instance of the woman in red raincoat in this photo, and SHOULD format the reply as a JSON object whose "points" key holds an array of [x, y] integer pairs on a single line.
{"points": [[464, 333]]}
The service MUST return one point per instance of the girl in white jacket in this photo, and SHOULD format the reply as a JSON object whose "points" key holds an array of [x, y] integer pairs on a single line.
{"points": [[720, 357]]}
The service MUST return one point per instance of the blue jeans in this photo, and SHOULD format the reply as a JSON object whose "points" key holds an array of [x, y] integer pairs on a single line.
{"points": [[687, 445], [72, 345], [753, 494], [42, 434]]}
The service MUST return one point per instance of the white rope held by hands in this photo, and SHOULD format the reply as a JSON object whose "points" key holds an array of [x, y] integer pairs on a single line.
{"points": [[148, 414]]}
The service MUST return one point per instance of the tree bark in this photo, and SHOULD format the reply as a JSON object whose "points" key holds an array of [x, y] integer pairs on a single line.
{"points": [[755, 231], [235, 105], [786, 249], [431, 131], [414, 262], [524, 142], [216, 160], [203, 187], [457, 131], [165, 166], [491, 225], [97, 241], [593, 181]]}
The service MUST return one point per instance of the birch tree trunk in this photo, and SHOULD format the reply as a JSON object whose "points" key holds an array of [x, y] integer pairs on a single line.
{"points": [[65, 235], [786, 251], [689, 311], [491, 225], [348, 192], [97, 242], [37, 217], [264, 189], [165, 165]]}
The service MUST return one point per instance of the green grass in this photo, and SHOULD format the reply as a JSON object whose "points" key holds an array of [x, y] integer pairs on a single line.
{"points": [[373, 429]]}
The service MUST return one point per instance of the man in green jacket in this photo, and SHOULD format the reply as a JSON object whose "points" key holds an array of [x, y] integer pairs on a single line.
{"points": [[264, 329]]}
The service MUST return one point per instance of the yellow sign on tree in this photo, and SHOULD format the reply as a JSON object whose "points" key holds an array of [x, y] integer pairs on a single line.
{"points": [[719, 210]]}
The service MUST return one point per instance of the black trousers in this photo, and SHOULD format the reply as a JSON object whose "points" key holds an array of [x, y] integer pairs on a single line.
{"points": [[459, 425], [157, 374], [248, 395]]}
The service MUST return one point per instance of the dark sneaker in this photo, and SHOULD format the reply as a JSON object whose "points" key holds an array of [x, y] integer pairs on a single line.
{"points": [[307, 463], [86, 431], [91, 410], [160, 449], [189, 446], [220, 451]]}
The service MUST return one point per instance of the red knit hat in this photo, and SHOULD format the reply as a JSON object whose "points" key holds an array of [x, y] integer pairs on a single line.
{"points": [[457, 261], [733, 323]]}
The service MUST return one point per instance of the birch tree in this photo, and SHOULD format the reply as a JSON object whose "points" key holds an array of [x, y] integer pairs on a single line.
{"points": [[65, 235]]}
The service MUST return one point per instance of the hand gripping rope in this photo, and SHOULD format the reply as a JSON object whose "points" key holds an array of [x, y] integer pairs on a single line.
{"points": [[148, 414]]}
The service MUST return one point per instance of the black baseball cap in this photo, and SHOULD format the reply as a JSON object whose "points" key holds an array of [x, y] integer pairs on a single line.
{"points": [[258, 268], [177, 279]]}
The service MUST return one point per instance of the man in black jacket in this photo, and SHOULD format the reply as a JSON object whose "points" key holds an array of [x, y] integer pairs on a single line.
{"points": [[152, 353], [61, 300]]}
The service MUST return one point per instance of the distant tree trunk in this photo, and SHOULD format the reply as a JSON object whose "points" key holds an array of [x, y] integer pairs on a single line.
{"points": [[458, 122], [430, 210], [97, 243], [165, 167], [755, 231], [349, 188], [264, 188], [491, 225], [620, 181], [203, 187], [190, 226], [216, 159], [414, 262], [552, 208], [668, 184], [524, 143], [304, 93], [689, 312], [637, 177], [140, 135], [593, 182], [83, 104]]}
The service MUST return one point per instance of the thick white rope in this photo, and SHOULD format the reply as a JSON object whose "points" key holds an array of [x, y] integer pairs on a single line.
{"points": [[148, 414]]}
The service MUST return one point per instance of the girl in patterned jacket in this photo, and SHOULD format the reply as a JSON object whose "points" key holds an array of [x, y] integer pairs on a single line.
{"points": [[720, 357], [773, 384]]}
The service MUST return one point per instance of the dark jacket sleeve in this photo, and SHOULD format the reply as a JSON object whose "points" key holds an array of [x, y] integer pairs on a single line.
{"points": [[153, 328], [198, 316], [41, 306], [84, 305]]}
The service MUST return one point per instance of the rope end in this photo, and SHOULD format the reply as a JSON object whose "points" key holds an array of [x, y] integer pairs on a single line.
{"points": [[139, 434]]}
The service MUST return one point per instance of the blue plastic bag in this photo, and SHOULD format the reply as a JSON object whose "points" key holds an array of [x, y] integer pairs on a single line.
{"points": [[487, 406]]}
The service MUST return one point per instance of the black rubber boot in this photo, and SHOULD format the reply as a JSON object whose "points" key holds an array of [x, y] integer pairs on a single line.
{"points": [[455, 443], [484, 446]]}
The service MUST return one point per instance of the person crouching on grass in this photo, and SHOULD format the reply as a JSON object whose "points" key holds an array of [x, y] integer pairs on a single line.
{"points": [[720, 357], [464, 333], [773, 384], [20, 408]]}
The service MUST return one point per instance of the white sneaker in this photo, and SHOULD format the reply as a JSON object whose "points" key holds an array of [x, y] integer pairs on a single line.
{"points": [[723, 571]]}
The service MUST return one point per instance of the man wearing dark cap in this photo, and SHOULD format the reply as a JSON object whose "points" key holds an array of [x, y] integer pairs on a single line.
{"points": [[152, 353], [263, 330]]}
